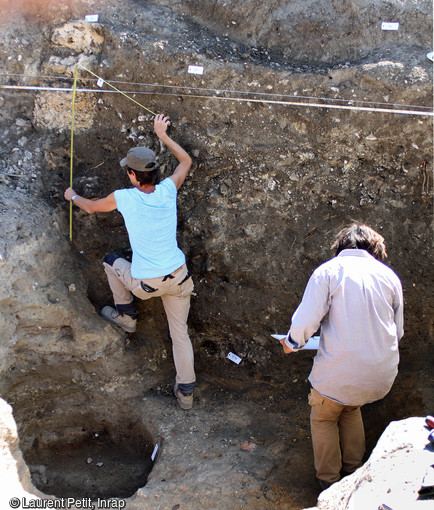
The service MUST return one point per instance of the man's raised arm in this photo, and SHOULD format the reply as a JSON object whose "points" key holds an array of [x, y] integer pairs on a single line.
{"points": [[161, 123]]}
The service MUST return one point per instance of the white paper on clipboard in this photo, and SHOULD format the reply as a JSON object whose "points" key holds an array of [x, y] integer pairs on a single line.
{"points": [[311, 344]]}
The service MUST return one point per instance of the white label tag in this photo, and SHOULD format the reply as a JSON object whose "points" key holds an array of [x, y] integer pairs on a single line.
{"points": [[195, 69], [100, 82], [91, 18], [233, 357], [389, 25], [154, 453]]}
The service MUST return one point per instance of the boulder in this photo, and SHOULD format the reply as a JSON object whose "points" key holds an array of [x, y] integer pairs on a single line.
{"points": [[392, 476]]}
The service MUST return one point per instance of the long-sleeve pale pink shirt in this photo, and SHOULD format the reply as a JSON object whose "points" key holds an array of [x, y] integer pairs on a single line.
{"points": [[357, 301]]}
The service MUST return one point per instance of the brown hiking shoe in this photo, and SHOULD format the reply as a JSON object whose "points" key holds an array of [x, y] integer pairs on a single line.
{"points": [[124, 321], [184, 401]]}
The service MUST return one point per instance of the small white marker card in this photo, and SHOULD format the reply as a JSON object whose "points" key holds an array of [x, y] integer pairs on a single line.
{"points": [[389, 25], [100, 82], [233, 357], [311, 344], [91, 18], [195, 69], [154, 453]]}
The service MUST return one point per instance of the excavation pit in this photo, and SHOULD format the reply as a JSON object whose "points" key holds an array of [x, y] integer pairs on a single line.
{"points": [[271, 184], [93, 460]]}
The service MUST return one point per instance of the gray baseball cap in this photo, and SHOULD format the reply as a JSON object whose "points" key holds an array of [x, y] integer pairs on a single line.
{"points": [[140, 159]]}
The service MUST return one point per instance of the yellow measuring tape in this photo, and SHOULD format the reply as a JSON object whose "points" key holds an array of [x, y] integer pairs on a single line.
{"points": [[117, 90], [71, 162], [74, 89]]}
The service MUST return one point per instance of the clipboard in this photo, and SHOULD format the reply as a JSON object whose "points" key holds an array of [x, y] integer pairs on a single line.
{"points": [[311, 344]]}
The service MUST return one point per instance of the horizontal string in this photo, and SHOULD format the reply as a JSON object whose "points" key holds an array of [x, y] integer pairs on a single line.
{"points": [[235, 99], [217, 91]]}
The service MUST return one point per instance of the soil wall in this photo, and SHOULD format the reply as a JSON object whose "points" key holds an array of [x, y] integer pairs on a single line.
{"points": [[271, 184]]}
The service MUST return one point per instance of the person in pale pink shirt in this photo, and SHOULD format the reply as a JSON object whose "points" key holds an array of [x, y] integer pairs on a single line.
{"points": [[356, 301]]}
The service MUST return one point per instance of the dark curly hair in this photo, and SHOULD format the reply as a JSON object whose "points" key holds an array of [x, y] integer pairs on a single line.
{"points": [[358, 235], [151, 177]]}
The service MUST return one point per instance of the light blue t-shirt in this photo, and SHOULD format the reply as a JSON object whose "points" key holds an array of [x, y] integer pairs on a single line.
{"points": [[151, 221]]}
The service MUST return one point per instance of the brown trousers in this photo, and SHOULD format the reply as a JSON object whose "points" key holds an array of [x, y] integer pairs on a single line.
{"points": [[176, 302], [338, 437]]}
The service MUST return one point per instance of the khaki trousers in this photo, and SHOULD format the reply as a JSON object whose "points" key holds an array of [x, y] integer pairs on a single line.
{"points": [[338, 437], [176, 302]]}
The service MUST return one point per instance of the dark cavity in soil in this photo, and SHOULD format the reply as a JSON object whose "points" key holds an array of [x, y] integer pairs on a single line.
{"points": [[92, 465]]}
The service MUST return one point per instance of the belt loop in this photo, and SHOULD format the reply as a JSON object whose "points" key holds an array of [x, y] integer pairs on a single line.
{"points": [[147, 288], [186, 278]]}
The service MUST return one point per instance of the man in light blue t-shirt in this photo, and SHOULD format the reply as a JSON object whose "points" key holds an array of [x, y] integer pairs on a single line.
{"points": [[158, 266]]}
